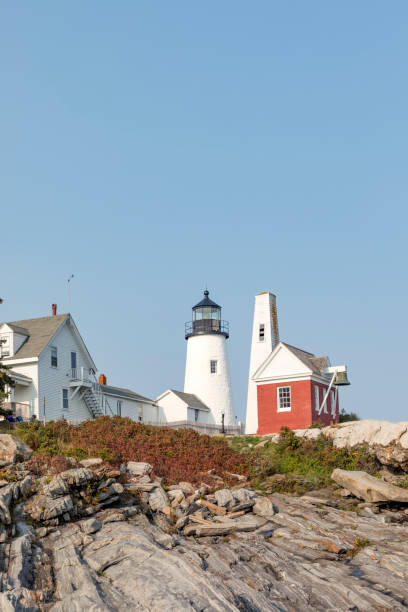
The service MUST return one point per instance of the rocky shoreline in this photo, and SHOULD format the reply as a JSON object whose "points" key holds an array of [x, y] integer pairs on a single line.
{"points": [[97, 538]]}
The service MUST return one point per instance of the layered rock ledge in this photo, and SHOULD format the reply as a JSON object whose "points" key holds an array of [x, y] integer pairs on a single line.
{"points": [[97, 538]]}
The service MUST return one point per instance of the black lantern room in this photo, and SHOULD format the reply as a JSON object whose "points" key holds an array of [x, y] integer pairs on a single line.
{"points": [[206, 319]]}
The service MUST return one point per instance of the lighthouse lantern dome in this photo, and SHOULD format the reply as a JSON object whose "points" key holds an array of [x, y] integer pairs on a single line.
{"points": [[206, 309], [206, 319]]}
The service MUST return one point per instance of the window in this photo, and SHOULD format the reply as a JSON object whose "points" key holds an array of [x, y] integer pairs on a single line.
{"points": [[65, 403], [261, 332], [140, 413], [54, 357], [324, 391], [73, 361], [119, 408], [333, 404], [317, 402], [196, 413], [213, 367], [284, 399]]}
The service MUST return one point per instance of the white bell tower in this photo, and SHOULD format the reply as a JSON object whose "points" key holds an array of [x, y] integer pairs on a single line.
{"points": [[207, 372], [265, 336]]}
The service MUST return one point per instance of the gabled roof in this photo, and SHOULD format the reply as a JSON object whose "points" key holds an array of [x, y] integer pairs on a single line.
{"points": [[190, 399], [312, 363], [125, 393], [14, 374], [39, 331]]}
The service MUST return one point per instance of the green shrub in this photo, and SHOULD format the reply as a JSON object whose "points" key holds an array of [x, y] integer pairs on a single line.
{"points": [[310, 460]]}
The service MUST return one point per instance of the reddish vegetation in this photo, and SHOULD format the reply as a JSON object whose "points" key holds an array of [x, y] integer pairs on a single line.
{"points": [[176, 455]]}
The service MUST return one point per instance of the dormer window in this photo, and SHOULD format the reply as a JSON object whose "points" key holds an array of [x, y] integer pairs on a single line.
{"points": [[54, 357]]}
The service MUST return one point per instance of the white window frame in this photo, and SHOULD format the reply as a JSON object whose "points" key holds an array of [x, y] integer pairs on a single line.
{"points": [[261, 338], [324, 408], [333, 403], [54, 348], [67, 399], [215, 362], [285, 408], [317, 398]]}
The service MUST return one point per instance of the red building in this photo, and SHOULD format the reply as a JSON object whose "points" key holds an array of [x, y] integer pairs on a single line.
{"points": [[296, 389]]}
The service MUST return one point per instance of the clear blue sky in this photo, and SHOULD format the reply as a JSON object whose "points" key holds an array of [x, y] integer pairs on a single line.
{"points": [[152, 147]]}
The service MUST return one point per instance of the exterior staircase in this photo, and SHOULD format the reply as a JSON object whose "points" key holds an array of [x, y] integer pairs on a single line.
{"points": [[93, 401], [84, 382]]}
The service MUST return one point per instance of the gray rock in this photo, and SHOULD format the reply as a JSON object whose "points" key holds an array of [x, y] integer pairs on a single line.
{"points": [[12, 449], [106, 483], [186, 487], [303, 558], [158, 499], [264, 507], [86, 463], [175, 494], [77, 477], [56, 488], [138, 468], [56, 507], [91, 525], [369, 488], [224, 498], [7, 494], [114, 489]]}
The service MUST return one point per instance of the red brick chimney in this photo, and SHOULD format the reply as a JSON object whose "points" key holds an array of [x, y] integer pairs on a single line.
{"points": [[54, 310], [102, 379]]}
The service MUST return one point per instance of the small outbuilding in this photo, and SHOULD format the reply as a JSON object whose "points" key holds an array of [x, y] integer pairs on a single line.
{"points": [[175, 406]]}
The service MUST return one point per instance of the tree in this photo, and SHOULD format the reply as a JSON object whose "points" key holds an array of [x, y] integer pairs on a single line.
{"points": [[348, 416], [5, 381]]}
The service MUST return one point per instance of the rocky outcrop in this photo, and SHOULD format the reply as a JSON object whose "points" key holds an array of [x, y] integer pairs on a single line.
{"points": [[99, 544], [367, 487], [385, 440], [12, 450], [306, 556]]}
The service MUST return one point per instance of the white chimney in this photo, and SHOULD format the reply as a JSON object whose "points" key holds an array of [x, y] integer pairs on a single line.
{"points": [[265, 336]]}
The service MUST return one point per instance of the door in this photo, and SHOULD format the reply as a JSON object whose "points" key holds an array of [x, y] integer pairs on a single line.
{"points": [[73, 361]]}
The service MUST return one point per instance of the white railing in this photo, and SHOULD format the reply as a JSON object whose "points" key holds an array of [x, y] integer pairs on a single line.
{"points": [[19, 409], [83, 375], [207, 428]]}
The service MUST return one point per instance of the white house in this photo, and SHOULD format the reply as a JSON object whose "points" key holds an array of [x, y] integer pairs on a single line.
{"points": [[177, 406], [55, 375]]}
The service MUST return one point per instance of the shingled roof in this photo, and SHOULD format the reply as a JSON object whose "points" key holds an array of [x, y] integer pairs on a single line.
{"points": [[126, 393], [39, 332], [316, 364], [192, 400]]}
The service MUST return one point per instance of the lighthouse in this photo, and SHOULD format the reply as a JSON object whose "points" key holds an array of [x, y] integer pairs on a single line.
{"points": [[207, 371]]}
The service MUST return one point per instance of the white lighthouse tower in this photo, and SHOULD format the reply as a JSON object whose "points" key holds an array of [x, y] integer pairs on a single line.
{"points": [[207, 371], [265, 336]]}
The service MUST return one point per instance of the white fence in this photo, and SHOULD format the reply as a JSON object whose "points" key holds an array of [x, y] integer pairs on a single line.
{"points": [[205, 428]]}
